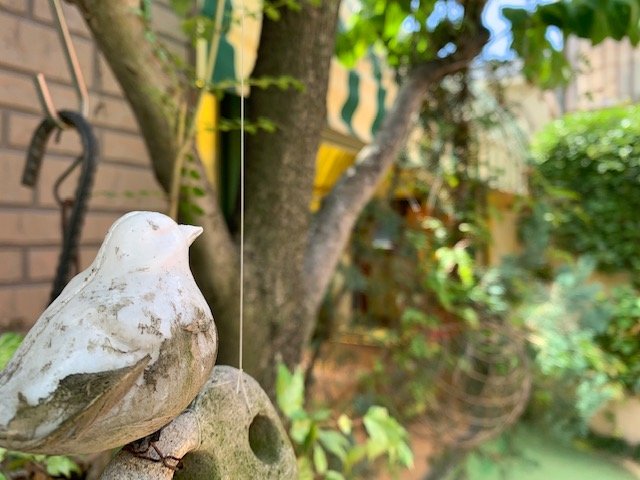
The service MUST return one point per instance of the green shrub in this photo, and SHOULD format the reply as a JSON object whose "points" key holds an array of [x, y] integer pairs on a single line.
{"points": [[588, 166], [621, 339], [575, 376], [327, 447]]}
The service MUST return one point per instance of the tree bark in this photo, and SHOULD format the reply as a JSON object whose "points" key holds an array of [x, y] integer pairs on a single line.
{"points": [[154, 92], [150, 88], [289, 257], [334, 222], [279, 181]]}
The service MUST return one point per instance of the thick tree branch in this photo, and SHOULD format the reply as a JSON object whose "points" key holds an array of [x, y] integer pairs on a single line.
{"points": [[279, 180], [154, 91], [332, 225], [149, 87]]}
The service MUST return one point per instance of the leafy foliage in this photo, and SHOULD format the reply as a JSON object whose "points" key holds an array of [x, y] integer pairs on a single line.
{"points": [[576, 376], [9, 343], [621, 336], [588, 19], [56, 466], [414, 32], [10, 461], [329, 448], [410, 33], [588, 167]]}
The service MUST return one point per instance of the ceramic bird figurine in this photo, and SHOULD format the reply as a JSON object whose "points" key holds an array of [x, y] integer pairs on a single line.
{"points": [[121, 352]]}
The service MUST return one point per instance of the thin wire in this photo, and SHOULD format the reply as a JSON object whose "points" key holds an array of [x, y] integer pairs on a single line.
{"points": [[240, 350], [240, 385]]}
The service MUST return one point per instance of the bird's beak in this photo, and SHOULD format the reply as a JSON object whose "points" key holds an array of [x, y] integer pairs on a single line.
{"points": [[190, 232]]}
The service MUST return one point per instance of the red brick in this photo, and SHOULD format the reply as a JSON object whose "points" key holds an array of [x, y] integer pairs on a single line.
{"points": [[17, 90], [21, 306], [106, 78], [111, 112], [41, 227], [165, 21], [52, 168], [123, 188], [103, 110], [30, 46], [22, 126], [11, 190], [10, 264], [29, 227], [96, 226], [116, 187], [123, 146], [42, 11], [42, 262], [87, 255], [18, 6]]}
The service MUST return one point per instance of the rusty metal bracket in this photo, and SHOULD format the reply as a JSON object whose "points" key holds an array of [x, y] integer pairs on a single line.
{"points": [[74, 67]]}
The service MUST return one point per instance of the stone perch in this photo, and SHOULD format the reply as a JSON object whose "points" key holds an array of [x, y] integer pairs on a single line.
{"points": [[224, 434]]}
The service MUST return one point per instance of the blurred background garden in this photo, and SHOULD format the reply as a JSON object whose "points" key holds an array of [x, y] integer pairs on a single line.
{"points": [[482, 320]]}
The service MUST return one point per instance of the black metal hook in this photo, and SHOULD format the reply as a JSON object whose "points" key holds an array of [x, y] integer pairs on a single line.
{"points": [[88, 161]]}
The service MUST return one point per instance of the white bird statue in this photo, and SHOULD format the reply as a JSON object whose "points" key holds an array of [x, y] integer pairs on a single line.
{"points": [[121, 352]]}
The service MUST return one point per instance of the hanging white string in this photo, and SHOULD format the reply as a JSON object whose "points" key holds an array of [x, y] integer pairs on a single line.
{"points": [[241, 186], [240, 385]]}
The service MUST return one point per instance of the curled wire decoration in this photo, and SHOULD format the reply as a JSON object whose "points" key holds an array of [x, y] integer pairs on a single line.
{"points": [[481, 386], [87, 162]]}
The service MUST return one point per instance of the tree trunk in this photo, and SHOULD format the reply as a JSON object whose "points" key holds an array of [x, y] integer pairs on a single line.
{"points": [[289, 259], [279, 182]]}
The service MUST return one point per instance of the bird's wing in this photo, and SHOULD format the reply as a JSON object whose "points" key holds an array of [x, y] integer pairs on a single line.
{"points": [[78, 400], [75, 343]]}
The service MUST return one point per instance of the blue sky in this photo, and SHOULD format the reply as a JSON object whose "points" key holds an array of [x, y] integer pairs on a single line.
{"points": [[500, 41], [498, 46]]}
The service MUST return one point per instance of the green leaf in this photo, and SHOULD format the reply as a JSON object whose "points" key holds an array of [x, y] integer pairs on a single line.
{"points": [[197, 209], [405, 455], [305, 469], [333, 475], [581, 18], [394, 16], [320, 459], [386, 435], [289, 389], [198, 191], [344, 424], [58, 465], [301, 430], [334, 442], [518, 17], [9, 343], [182, 7], [618, 13], [271, 12], [355, 456], [554, 13]]}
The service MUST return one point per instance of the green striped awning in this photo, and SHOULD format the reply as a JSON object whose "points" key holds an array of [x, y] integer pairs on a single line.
{"points": [[357, 98]]}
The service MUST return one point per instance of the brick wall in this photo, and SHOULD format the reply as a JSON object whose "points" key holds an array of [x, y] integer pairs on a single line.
{"points": [[608, 74], [30, 219]]}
